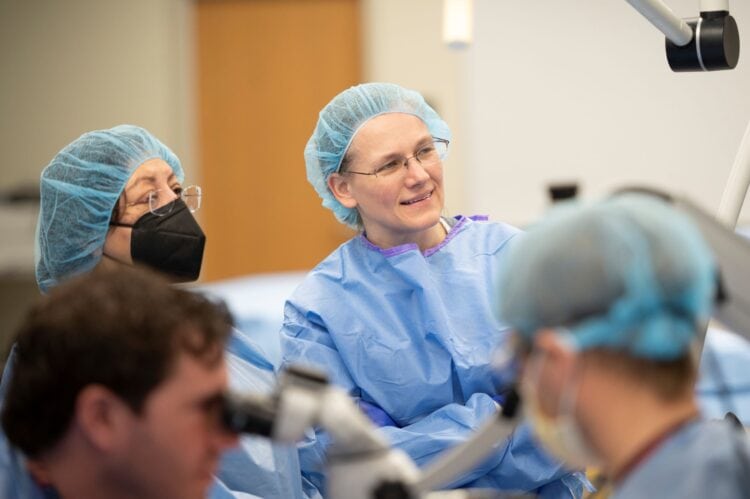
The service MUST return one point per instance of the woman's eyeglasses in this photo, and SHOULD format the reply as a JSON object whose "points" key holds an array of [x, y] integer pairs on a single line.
{"points": [[427, 155]]}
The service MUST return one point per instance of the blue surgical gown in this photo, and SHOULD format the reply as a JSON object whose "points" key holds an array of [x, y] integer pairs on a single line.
{"points": [[412, 333], [724, 381], [703, 459], [255, 469]]}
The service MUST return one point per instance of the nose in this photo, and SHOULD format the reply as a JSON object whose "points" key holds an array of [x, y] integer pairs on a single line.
{"points": [[229, 439], [223, 438], [415, 172], [165, 195]]}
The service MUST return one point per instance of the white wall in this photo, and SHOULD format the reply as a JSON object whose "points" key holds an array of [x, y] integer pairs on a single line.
{"points": [[551, 90], [77, 65], [402, 43], [69, 66], [569, 90]]}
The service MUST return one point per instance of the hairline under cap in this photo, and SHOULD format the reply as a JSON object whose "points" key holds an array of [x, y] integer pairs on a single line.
{"points": [[130, 176], [354, 134], [140, 164]]}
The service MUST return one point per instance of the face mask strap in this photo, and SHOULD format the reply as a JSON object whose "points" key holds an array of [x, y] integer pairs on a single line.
{"points": [[566, 403], [568, 339], [561, 433], [120, 224], [569, 394]]}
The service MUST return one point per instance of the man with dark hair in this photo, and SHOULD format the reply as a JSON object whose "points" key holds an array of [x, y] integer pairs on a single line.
{"points": [[117, 386]]}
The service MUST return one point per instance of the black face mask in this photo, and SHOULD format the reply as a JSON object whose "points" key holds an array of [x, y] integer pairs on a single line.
{"points": [[172, 243]]}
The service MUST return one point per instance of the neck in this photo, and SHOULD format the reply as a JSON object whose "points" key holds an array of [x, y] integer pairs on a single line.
{"points": [[630, 424], [76, 472], [426, 239], [110, 262]]}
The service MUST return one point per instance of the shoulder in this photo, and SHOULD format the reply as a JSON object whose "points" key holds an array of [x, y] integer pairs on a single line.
{"points": [[331, 267], [488, 235], [714, 451], [329, 273], [244, 348]]}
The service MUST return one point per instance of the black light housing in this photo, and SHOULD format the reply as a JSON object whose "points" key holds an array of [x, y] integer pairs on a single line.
{"points": [[715, 44]]}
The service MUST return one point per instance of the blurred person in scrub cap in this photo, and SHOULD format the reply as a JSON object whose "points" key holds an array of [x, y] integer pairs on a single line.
{"points": [[607, 301]]}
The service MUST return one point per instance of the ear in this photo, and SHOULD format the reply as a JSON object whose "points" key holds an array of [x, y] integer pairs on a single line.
{"points": [[341, 188], [38, 469], [102, 418], [559, 354], [549, 340]]}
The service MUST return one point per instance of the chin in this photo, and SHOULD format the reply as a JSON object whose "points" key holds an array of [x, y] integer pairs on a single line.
{"points": [[426, 221], [198, 491]]}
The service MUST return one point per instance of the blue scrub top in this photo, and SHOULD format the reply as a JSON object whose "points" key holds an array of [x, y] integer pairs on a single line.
{"points": [[704, 459], [413, 333], [255, 469]]}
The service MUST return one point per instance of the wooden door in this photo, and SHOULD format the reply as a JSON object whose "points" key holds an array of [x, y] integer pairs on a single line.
{"points": [[265, 69]]}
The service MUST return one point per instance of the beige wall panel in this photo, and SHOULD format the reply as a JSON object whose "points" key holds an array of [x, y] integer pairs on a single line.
{"points": [[265, 69]]}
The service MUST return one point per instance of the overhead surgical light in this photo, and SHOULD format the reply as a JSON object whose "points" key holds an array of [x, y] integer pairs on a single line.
{"points": [[458, 23], [709, 42]]}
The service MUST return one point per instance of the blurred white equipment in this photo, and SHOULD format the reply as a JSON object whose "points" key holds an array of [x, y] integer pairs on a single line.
{"points": [[737, 184]]}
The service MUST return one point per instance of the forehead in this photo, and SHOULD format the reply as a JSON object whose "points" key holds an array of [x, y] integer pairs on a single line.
{"points": [[155, 168], [189, 379], [384, 133]]}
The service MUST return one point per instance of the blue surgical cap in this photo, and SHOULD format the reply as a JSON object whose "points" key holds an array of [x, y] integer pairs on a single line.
{"points": [[340, 121], [629, 273], [79, 190]]}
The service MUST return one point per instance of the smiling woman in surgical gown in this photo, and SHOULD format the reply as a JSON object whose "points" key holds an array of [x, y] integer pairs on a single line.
{"points": [[400, 315]]}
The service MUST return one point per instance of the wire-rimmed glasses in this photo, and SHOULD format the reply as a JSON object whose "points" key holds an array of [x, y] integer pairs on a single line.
{"points": [[191, 195], [427, 155]]}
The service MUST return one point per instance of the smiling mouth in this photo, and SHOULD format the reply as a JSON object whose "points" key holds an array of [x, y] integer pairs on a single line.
{"points": [[423, 198]]}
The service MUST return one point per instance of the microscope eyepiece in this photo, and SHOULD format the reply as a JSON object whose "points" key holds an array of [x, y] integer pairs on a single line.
{"points": [[249, 414]]}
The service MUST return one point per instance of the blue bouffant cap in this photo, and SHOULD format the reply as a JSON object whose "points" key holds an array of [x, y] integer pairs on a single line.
{"points": [[79, 189], [340, 121], [629, 273]]}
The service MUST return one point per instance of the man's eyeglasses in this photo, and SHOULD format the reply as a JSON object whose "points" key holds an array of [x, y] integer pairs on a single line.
{"points": [[427, 155]]}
